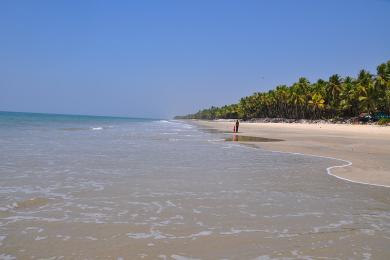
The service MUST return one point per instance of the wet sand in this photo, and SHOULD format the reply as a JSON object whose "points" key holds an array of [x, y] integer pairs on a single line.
{"points": [[367, 147]]}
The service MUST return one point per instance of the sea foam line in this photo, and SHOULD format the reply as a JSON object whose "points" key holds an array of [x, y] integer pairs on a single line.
{"points": [[328, 170]]}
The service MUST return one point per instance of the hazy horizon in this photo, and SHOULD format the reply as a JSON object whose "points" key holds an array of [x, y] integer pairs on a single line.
{"points": [[161, 59], [81, 115]]}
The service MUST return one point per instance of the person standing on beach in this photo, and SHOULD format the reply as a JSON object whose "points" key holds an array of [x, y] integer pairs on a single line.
{"points": [[237, 125]]}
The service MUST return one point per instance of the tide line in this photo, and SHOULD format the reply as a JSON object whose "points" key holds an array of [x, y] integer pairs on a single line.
{"points": [[329, 169]]}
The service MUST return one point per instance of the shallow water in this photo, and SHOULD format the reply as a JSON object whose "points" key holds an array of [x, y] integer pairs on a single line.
{"points": [[121, 188], [243, 138]]}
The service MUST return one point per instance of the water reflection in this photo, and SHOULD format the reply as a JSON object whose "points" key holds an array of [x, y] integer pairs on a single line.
{"points": [[242, 138]]}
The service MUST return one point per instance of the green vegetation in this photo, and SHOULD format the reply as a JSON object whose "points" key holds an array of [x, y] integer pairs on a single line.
{"points": [[337, 97], [384, 121]]}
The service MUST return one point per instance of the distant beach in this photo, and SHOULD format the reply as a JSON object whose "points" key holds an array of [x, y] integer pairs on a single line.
{"points": [[367, 147]]}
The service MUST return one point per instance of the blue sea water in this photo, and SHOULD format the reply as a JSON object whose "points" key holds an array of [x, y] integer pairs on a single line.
{"points": [[88, 186]]}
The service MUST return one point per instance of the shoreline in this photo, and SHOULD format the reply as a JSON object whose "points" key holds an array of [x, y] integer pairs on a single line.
{"points": [[365, 148]]}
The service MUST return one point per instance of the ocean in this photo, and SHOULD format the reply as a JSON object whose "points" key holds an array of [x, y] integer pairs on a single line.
{"points": [[85, 187]]}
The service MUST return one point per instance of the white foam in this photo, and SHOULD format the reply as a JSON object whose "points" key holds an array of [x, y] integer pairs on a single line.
{"points": [[159, 207], [63, 237], [152, 234], [333, 225], [13, 205], [170, 203], [97, 128], [20, 218], [215, 140], [179, 257], [2, 239], [200, 234], [366, 256], [158, 235], [7, 257], [91, 238], [234, 231], [329, 169], [52, 258], [178, 123]]}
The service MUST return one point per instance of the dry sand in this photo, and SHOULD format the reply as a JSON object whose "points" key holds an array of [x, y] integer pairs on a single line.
{"points": [[366, 146]]}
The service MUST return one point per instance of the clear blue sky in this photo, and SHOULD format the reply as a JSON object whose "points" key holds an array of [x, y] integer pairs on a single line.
{"points": [[162, 58]]}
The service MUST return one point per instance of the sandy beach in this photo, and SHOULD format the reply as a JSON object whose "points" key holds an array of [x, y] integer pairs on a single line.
{"points": [[367, 147]]}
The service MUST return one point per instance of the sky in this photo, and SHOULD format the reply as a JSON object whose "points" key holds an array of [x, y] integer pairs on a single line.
{"points": [[159, 59]]}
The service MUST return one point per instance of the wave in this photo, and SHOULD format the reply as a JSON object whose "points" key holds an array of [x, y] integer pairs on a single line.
{"points": [[216, 140], [175, 122], [29, 203], [83, 128]]}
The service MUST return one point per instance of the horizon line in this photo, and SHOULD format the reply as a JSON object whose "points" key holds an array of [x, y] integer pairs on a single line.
{"points": [[86, 115]]}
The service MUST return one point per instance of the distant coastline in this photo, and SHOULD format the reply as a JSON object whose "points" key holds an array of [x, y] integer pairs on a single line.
{"points": [[335, 121], [365, 98]]}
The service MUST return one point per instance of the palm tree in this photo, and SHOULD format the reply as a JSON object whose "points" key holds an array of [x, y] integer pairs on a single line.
{"points": [[333, 90], [368, 98], [323, 99], [367, 92], [317, 102], [349, 103], [382, 85]]}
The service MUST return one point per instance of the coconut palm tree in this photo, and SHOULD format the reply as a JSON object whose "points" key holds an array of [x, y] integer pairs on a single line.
{"points": [[323, 99], [317, 102]]}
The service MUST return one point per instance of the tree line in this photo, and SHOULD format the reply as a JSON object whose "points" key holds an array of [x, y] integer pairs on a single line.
{"points": [[336, 97]]}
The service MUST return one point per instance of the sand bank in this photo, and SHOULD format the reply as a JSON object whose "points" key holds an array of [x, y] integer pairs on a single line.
{"points": [[366, 146]]}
